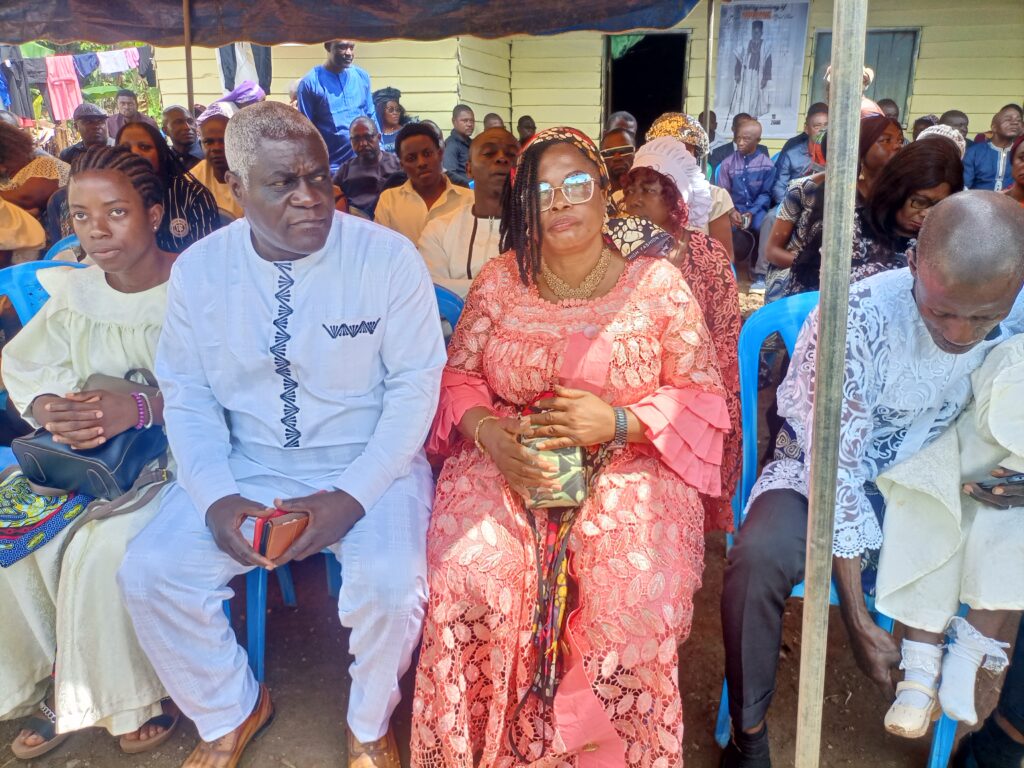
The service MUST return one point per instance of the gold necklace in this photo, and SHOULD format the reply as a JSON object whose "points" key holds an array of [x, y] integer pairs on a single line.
{"points": [[586, 289]]}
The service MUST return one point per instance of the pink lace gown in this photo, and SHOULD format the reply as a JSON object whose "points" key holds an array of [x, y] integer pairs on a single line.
{"points": [[636, 551]]}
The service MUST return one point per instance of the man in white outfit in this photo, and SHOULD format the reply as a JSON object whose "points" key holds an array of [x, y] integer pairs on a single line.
{"points": [[300, 361]]}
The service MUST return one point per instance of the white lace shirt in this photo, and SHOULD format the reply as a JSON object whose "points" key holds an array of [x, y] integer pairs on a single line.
{"points": [[901, 391]]}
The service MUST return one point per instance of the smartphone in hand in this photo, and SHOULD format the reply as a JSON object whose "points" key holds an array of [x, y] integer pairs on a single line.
{"points": [[273, 535]]}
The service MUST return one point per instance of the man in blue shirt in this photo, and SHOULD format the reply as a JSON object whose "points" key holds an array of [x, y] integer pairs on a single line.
{"points": [[795, 160], [987, 164], [335, 94]]}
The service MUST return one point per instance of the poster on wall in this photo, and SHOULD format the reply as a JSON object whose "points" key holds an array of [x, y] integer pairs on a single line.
{"points": [[760, 64]]}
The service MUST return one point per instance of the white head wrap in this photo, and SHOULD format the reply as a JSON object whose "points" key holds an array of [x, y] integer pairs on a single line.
{"points": [[669, 157], [950, 133]]}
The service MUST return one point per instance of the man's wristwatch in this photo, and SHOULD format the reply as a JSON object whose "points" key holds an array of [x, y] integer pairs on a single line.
{"points": [[621, 429]]}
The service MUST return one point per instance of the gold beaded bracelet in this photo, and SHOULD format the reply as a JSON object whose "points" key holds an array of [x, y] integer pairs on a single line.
{"points": [[476, 432]]}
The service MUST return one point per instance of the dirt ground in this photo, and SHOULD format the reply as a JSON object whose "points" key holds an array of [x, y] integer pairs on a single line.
{"points": [[306, 671]]}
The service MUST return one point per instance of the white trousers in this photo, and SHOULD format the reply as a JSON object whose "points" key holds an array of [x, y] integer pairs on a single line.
{"points": [[174, 579]]}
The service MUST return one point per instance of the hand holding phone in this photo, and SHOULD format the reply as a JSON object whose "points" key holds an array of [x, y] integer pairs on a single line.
{"points": [[275, 533], [1005, 490]]}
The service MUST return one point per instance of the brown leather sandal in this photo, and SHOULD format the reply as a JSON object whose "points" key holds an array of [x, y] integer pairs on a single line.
{"points": [[382, 753], [227, 751]]}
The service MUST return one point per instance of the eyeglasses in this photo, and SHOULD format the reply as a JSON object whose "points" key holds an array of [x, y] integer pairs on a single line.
{"points": [[919, 203], [611, 154], [577, 189], [392, 109]]}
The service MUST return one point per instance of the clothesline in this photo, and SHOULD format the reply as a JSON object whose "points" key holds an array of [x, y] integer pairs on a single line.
{"points": [[59, 77]]}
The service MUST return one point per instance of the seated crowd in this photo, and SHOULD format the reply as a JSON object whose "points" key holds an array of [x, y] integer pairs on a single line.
{"points": [[529, 506]]}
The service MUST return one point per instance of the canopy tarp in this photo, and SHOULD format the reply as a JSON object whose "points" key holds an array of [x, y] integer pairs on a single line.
{"points": [[217, 22]]}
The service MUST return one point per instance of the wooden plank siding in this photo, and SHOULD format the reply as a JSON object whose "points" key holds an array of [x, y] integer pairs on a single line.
{"points": [[968, 58], [427, 73], [558, 80], [484, 78]]}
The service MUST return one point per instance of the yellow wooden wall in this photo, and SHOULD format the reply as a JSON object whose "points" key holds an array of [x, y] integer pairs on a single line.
{"points": [[970, 57], [427, 73], [484, 76], [558, 80]]}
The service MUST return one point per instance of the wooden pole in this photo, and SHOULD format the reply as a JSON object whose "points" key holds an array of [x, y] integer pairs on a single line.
{"points": [[186, 13], [708, 61], [849, 23]]}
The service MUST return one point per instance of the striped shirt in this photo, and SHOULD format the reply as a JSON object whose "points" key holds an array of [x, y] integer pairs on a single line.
{"points": [[190, 213]]}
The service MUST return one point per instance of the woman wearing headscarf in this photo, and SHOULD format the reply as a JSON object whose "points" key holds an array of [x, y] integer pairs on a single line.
{"points": [[190, 210], [552, 631], [688, 130], [390, 116], [663, 187]]}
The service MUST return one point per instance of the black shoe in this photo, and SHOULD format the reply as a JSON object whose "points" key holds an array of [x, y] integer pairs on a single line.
{"points": [[988, 747], [747, 751]]}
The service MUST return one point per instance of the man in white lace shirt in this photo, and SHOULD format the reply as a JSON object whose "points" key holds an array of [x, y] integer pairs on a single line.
{"points": [[914, 336]]}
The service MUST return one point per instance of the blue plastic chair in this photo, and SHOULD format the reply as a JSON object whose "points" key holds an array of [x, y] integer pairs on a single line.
{"points": [[20, 283], [71, 241], [786, 317], [449, 304]]}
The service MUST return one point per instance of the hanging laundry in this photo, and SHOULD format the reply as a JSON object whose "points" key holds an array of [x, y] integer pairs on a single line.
{"points": [[5, 92], [35, 74], [146, 68], [86, 64], [245, 61], [62, 80], [112, 62], [14, 71], [132, 57]]}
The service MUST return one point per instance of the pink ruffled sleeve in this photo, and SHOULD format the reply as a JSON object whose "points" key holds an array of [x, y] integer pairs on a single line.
{"points": [[459, 392], [463, 385], [687, 418]]}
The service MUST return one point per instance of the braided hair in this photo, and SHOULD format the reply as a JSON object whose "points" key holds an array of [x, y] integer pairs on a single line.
{"points": [[520, 200], [138, 170]]}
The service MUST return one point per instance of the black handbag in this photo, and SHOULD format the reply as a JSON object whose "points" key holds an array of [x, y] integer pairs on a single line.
{"points": [[107, 471]]}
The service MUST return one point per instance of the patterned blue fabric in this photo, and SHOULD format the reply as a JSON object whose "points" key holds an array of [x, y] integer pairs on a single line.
{"points": [[28, 520], [282, 365]]}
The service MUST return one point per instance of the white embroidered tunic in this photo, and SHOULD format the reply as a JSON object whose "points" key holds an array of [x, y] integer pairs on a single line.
{"points": [[901, 392], [325, 369]]}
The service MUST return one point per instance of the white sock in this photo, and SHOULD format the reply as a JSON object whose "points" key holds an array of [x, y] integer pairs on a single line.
{"points": [[966, 650], [921, 665]]}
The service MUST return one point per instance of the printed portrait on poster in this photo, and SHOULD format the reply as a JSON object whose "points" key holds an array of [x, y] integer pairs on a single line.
{"points": [[761, 63]]}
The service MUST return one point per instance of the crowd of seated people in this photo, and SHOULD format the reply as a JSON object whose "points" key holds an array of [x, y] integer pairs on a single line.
{"points": [[528, 506]]}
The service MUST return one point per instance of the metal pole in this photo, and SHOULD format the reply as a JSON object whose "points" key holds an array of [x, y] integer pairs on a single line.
{"points": [[849, 23], [708, 61], [186, 13]]}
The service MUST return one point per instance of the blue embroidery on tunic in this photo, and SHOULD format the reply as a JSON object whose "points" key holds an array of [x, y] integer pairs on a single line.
{"points": [[282, 365], [344, 329]]}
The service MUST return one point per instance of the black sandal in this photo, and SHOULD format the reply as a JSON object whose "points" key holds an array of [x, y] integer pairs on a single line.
{"points": [[43, 723]]}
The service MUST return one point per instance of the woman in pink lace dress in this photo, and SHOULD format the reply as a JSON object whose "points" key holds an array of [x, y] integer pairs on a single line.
{"points": [[502, 678]]}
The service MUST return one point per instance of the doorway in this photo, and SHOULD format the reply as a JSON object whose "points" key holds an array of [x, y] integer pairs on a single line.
{"points": [[647, 75]]}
